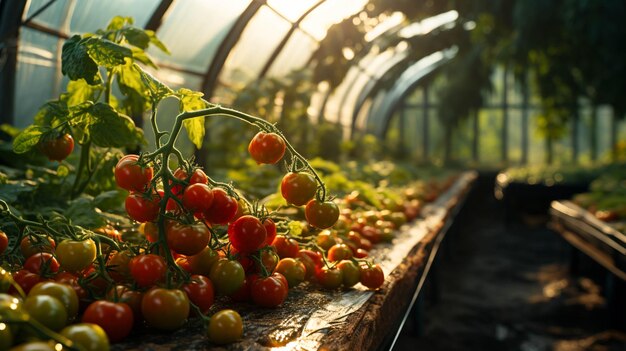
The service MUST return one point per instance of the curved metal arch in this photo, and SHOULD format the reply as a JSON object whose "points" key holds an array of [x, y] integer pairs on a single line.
{"points": [[407, 82], [295, 25], [215, 68]]}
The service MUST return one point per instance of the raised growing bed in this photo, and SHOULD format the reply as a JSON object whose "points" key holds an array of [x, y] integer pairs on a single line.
{"points": [[356, 319]]}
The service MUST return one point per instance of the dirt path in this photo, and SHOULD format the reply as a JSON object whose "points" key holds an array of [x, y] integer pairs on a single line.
{"points": [[508, 288]]}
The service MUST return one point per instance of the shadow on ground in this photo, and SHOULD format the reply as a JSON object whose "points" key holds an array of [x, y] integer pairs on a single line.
{"points": [[508, 287]]}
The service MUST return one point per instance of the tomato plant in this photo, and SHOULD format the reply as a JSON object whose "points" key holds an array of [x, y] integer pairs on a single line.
{"points": [[293, 270], [200, 292], [298, 188], [75, 255], [321, 214], [267, 148], [31, 245], [223, 209], [372, 276], [61, 292], [225, 327], [247, 234], [87, 336], [147, 269], [142, 208], [165, 309], [188, 239], [116, 318], [270, 291], [57, 148], [131, 175], [285, 247], [227, 276], [42, 263]]}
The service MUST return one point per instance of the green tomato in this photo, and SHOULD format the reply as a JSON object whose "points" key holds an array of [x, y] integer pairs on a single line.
{"points": [[87, 336], [63, 292], [227, 276], [5, 280], [6, 336], [350, 272], [35, 346], [75, 256], [46, 310], [225, 327]]}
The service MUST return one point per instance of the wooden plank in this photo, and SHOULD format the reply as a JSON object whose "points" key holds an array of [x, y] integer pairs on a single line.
{"points": [[311, 319]]}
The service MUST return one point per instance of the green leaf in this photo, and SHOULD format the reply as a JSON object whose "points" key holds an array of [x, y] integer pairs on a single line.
{"points": [[118, 22], [156, 90], [141, 56], [82, 212], [108, 128], [156, 42], [136, 37], [76, 62], [191, 101], [51, 113], [107, 53], [78, 91], [28, 138], [10, 130], [109, 200]]}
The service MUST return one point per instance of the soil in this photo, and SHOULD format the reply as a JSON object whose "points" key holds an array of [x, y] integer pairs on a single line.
{"points": [[508, 286]]}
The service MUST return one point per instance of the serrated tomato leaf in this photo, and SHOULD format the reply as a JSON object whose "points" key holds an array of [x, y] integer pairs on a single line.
{"points": [[192, 101], [28, 138], [108, 128], [76, 62], [157, 91], [106, 53], [136, 37]]}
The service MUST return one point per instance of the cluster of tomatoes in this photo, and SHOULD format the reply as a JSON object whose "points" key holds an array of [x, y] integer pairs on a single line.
{"points": [[202, 240]]}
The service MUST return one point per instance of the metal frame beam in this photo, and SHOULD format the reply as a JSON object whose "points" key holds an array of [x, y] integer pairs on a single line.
{"points": [[156, 19], [11, 13], [210, 79]]}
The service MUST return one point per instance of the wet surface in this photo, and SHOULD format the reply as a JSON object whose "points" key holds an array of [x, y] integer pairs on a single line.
{"points": [[508, 287]]}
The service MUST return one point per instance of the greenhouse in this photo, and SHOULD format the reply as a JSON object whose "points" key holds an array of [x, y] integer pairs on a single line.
{"points": [[312, 175]]}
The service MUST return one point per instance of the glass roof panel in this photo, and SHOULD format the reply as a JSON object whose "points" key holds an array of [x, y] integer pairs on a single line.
{"points": [[291, 9], [329, 13], [87, 16], [294, 55], [53, 16], [261, 36], [193, 30]]}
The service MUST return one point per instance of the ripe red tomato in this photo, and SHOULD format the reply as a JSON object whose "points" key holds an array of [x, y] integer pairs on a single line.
{"points": [[41, 263], [118, 265], [198, 198], [57, 149], [360, 253], [165, 309], [270, 230], [4, 242], [247, 234], [25, 279], [374, 235], [188, 239], [132, 298], [227, 276], [298, 188], [312, 261], [147, 269], [267, 148], [197, 177], [131, 176], [372, 277], [31, 245], [225, 327], [293, 270], [223, 209], [321, 214], [330, 278], [200, 292], [269, 292], [339, 252], [72, 280], [269, 259], [150, 230], [325, 239], [286, 247], [141, 208], [75, 256], [116, 318]]}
